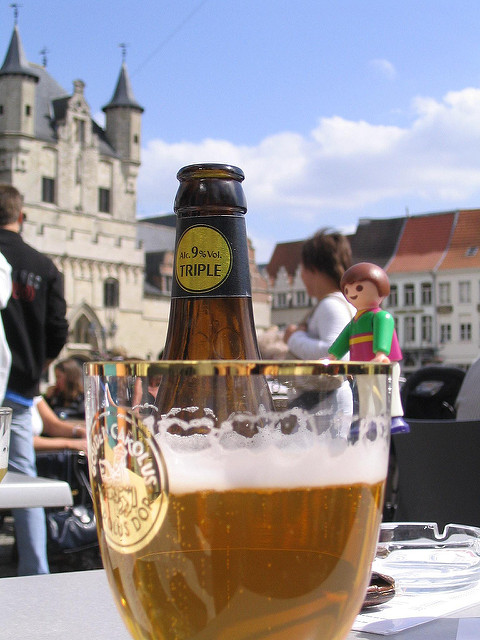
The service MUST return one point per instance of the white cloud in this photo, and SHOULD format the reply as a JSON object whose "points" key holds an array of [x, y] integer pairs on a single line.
{"points": [[384, 67], [295, 184], [338, 137]]}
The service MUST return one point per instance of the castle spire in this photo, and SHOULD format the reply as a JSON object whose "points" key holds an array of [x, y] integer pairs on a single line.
{"points": [[15, 62], [123, 94]]}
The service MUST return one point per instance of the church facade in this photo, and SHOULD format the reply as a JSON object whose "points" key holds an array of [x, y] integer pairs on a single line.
{"points": [[79, 183]]}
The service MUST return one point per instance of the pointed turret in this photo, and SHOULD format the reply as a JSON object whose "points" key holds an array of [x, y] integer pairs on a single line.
{"points": [[15, 62], [124, 120], [123, 94], [17, 90]]}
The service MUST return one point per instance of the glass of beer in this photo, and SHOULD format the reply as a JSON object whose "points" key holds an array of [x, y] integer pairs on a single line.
{"points": [[238, 499]]}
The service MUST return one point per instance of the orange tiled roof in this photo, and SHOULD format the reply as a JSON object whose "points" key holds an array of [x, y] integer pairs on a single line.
{"points": [[464, 248], [285, 254], [423, 242]]}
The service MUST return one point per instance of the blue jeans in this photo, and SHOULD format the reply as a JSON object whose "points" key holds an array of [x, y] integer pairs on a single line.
{"points": [[30, 527]]}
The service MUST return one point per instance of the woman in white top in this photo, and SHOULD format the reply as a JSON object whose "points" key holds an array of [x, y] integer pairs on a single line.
{"points": [[325, 258]]}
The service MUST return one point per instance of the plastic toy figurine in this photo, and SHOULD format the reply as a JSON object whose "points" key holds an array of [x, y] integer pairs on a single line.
{"points": [[371, 334]]}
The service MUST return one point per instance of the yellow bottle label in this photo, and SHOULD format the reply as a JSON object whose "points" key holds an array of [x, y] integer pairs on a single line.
{"points": [[203, 260], [211, 257]]}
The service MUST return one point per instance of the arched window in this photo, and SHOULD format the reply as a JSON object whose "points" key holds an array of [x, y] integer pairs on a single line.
{"points": [[86, 332], [82, 330], [111, 293]]}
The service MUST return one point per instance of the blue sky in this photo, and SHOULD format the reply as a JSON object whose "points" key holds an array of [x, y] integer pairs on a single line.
{"points": [[335, 110]]}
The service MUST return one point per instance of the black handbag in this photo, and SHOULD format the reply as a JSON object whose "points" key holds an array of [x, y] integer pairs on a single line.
{"points": [[71, 529]]}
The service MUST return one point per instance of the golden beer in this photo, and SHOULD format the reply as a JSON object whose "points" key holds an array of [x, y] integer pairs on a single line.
{"points": [[286, 563], [212, 531]]}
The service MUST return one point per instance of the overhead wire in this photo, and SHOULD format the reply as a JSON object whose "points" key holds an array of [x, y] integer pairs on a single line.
{"points": [[167, 39]]}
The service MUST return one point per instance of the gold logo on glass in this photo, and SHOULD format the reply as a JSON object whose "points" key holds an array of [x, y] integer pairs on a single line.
{"points": [[131, 478]]}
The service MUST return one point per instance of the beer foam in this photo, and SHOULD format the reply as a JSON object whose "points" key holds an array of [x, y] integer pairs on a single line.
{"points": [[224, 459]]}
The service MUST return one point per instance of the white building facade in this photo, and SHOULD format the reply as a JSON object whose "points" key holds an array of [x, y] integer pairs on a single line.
{"points": [[79, 183]]}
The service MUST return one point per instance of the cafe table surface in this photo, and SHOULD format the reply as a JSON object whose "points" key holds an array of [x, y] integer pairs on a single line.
{"points": [[18, 491], [79, 606]]}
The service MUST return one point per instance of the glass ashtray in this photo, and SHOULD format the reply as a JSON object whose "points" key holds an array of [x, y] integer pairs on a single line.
{"points": [[420, 558]]}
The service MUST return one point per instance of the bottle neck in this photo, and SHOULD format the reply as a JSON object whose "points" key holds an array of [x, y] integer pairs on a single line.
{"points": [[211, 329]]}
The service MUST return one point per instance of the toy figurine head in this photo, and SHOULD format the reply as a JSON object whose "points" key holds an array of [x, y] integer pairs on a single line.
{"points": [[365, 285]]}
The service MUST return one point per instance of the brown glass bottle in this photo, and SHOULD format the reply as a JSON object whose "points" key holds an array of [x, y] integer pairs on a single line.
{"points": [[211, 314]]}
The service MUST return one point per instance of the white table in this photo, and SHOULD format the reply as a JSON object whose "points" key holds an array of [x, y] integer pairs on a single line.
{"points": [[18, 491], [79, 605]]}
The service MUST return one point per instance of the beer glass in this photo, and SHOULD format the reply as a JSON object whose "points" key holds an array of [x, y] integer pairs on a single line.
{"points": [[238, 499]]}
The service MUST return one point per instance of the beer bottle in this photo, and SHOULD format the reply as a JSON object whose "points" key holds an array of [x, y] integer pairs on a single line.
{"points": [[211, 314]]}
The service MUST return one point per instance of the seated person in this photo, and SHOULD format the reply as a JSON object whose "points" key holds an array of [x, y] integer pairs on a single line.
{"points": [[57, 433], [66, 396]]}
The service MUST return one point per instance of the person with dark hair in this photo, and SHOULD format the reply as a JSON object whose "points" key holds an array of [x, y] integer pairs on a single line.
{"points": [[325, 258], [66, 396], [36, 330], [329, 253]]}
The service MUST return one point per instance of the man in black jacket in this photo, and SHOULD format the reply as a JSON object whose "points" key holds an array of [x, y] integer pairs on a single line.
{"points": [[36, 329]]}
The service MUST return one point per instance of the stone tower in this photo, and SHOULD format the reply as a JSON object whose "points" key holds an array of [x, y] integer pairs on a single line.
{"points": [[79, 182], [123, 116], [18, 83]]}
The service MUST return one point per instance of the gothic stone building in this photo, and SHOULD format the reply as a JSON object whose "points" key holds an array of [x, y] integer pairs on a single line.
{"points": [[79, 185]]}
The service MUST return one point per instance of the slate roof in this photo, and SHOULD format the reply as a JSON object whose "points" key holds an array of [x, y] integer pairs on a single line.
{"points": [[423, 243], [375, 240], [464, 249], [123, 94], [15, 62], [47, 93], [167, 220], [50, 109], [51, 99]]}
